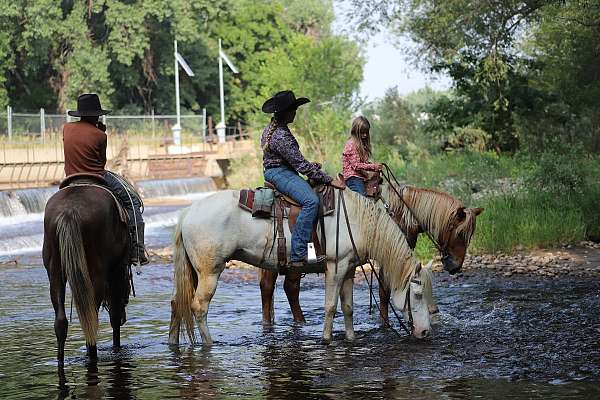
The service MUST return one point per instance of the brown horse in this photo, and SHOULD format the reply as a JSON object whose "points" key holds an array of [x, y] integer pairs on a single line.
{"points": [[444, 218], [86, 244]]}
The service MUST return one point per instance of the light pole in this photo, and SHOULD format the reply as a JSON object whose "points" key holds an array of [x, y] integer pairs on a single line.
{"points": [[221, 125], [179, 61]]}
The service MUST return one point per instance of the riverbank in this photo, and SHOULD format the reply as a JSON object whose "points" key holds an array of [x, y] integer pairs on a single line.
{"points": [[569, 260]]}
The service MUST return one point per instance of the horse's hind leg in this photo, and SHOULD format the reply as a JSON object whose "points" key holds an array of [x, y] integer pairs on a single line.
{"points": [[291, 285], [57, 295], [207, 284], [267, 288], [347, 300]]}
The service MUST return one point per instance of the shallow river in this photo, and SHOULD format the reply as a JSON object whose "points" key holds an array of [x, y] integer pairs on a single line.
{"points": [[499, 338]]}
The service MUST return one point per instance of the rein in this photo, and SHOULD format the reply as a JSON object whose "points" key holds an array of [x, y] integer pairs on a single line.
{"points": [[390, 174], [356, 255]]}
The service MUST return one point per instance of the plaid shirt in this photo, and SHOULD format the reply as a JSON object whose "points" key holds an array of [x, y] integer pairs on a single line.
{"points": [[284, 151], [352, 164]]}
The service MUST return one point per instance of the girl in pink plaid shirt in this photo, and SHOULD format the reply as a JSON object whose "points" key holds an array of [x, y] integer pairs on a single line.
{"points": [[355, 158]]}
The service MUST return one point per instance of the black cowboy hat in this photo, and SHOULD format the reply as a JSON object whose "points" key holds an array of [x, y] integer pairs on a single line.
{"points": [[283, 101], [88, 105]]}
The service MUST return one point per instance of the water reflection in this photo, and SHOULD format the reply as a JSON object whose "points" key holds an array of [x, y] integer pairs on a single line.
{"points": [[287, 369], [499, 339], [196, 372]]}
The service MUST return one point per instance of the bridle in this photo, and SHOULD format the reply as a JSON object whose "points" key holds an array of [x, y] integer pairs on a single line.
{"points": [[388, 175]]}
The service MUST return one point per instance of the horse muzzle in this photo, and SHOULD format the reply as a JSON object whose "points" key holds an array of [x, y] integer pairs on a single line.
{"points": [[450, 264]]}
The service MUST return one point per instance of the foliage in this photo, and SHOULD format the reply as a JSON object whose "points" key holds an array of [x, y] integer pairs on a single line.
{"points": [[124, 51], [393, 122], [523, 71]]}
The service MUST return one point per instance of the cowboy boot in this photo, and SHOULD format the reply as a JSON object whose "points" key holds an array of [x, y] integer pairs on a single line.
{"points": [[138, 250]]}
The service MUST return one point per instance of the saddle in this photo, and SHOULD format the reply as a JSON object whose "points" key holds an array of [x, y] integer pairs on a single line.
{"points": [[283, 207], [373, 181], [84, 179]]}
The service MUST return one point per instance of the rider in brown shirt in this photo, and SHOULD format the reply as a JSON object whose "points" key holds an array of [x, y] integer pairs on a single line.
{"points": [[85, 147], [85, 152]]}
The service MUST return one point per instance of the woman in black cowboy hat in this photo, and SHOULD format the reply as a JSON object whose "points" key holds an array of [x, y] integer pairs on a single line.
{"points": [[283, 161], [85, 152]]}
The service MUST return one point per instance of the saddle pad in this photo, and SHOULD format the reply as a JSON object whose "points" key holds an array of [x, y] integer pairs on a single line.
{"points": [[246, 200]]}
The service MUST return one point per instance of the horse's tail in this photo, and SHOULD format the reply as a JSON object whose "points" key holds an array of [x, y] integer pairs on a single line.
{"points": [[184, 277], [74, 264]]}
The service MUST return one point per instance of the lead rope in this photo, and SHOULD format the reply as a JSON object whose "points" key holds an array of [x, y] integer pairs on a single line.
{"points": [[372, 295]]}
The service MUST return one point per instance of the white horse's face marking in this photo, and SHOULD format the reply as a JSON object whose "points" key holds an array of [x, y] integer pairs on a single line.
{"points": [[420, 301]]}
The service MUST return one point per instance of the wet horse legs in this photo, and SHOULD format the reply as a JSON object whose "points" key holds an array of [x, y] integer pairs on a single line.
{"points": [[384, 299], [207, 284], [267, 288], [291, 285], [57, 295], [347, 300]]}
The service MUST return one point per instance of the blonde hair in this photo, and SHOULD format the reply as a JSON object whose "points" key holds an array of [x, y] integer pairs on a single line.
{"points": [[361, 125]]}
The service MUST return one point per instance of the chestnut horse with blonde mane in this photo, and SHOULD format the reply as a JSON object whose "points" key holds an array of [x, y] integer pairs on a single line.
{"points": [[448, 222]]}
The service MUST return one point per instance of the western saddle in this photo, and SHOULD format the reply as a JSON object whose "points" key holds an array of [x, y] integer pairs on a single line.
{"points": [[285, 207]]}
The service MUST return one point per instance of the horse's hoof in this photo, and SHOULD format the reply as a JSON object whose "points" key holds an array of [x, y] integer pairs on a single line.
{"points": [[327, 341], [350, 338]]}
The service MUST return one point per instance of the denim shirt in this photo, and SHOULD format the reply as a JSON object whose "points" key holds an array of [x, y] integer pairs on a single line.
{"points": [[284, 151]]}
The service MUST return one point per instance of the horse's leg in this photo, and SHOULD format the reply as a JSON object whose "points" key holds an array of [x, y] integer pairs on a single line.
{"points": [[61, 325], [384, 298], [332, 291], [207, 284], [291, 285], [115, 322], [267, 288], [92, 351], [347, 300]]}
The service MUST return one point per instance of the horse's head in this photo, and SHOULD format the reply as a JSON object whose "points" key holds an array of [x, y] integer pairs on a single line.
{"points": [[456, 237], [415, 299]]}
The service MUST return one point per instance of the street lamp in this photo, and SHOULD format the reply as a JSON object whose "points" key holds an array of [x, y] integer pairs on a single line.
{"points": [[221, 125], [179, 61]]}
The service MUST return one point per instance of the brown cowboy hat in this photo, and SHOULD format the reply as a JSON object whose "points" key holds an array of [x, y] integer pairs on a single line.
{"points": [[283, 101], [88, 105]]}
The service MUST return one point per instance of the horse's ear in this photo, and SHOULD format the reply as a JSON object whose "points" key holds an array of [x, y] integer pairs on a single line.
{"points": [[477, 211], [418, 269], [460, 214], [429, 264]]}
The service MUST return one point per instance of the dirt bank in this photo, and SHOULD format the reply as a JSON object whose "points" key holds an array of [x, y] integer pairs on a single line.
{"points": [[580, 260]]}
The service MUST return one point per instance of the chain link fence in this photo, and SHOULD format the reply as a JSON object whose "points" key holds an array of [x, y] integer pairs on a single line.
{"points": [[30, 126]]}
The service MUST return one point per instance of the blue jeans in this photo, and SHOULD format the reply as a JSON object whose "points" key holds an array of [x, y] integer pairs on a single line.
{"points": [[291, 184], [357, 185]]}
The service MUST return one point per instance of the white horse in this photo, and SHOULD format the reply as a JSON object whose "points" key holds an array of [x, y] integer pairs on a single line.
{"points": [[214, 230]]}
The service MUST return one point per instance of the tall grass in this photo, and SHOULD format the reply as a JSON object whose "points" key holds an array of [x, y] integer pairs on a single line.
{"points": [[528, 220], [554, 197]]}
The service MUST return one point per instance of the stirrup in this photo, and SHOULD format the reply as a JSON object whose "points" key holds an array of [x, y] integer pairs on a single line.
{"points": [[317, 265], [140, 256]]}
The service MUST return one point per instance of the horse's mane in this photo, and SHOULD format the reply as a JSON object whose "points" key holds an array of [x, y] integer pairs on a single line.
{"points": [[382, 240], [436, 210]]}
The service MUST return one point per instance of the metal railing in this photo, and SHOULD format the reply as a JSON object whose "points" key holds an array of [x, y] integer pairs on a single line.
{"points": [[15, 126], [31, 146]]}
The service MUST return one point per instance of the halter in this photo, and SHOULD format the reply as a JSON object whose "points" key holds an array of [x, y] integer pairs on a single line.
{"points": [[443, 250]]}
